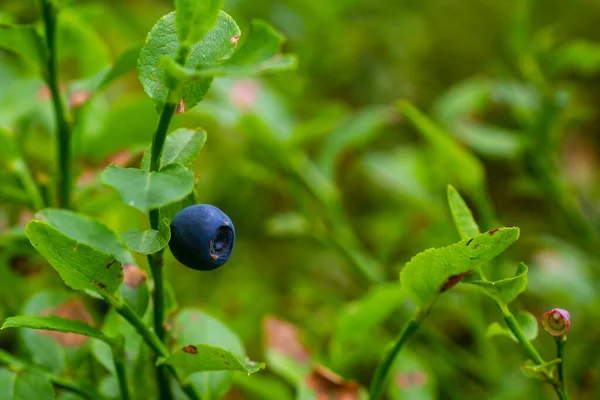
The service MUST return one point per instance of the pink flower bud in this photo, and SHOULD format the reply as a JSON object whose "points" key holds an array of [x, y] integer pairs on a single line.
{"points": [[557, 321]]}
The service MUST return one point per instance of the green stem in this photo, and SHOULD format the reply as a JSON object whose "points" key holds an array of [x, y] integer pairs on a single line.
{"points": [[515, 328], [140, 326], [118, 355], [62, 383], [63, 126], [384, 367], [158, 140], [561, 341], [158, 295]]}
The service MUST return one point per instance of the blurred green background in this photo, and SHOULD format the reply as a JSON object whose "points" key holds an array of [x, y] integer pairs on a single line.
{"points": [[321, 173]]}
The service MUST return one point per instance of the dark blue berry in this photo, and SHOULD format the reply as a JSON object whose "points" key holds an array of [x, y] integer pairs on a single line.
{"points": [[202, 237]]}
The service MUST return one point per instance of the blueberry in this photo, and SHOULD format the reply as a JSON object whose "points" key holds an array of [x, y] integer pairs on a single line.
{"points": [[202, 237]]}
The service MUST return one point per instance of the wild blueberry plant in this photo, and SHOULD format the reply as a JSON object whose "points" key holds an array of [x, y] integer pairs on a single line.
{"points": [[183, 53], [430, 273]]}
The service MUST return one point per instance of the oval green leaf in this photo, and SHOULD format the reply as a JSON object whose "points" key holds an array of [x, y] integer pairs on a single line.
{"points": [[150, 190], [181, 147], [149, 241], [163, 41], [80, 266], [88, 231]]}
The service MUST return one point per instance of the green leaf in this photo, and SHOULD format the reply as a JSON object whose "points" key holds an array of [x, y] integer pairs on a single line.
{"points": [[195, 18], [450, 155], [258, 55], [508, 288], [541, 372], [461, 214], [433, 271], [25, 41], [80, 266], [356, 321], [181, 147], [25, 385], [150, 190], [194, 326], [88, 231], [526, 320], [54, 323], [149, 241], [162, 41], [203, 357]]}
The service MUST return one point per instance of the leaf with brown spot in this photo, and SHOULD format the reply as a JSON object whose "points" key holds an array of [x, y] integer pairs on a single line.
{"points": [[194, 358], [432, 271], [191, 349], [83, 269]]}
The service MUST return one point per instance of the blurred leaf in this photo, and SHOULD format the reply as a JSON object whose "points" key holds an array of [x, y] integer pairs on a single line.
{"points": [[195, 18], [356, 321], [135, 288], [194, 326], [289, 224], [411, 379], [434, 271], [78, 42], [263, 387], [181, 147], [508, 288], [54, 323], [193, 358], [541, 372], [162, 41], [25, 41], [12, 159], [462, 100], [115, 325], [323, 383], [149, 241], [465, 167], [461, 214], [401, 171], [362, 126], [123, 65], [258, 55], [578, 56], [25, 385], [80, 266], [491, 141], [285, 354], [52, 350], [526, 320], [87, 231], [150, 190]]}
